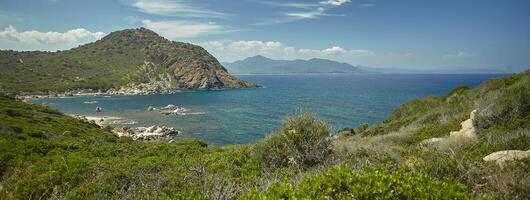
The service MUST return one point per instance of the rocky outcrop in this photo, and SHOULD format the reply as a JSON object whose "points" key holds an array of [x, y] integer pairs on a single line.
{"points": [[155, 87], [105, 120], [500, 157], [148, 133], [172, 65], [467, 131], [173, 110]]}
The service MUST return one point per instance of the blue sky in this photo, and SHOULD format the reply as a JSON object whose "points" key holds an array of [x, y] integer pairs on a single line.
{"points": [[415, 34]]}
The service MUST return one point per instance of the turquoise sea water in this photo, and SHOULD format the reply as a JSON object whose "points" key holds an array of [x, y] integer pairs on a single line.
{"points": [[246, 115]]}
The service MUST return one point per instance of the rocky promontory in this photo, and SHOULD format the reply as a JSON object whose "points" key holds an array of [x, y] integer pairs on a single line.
{"points": [[126, 62]]}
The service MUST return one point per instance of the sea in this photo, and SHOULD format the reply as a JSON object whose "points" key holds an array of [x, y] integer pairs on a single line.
{"points": [[239, 116]]}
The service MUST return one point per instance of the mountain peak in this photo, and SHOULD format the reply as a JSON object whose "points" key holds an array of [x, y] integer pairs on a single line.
{"points": [[138, 35], [263, 65], [258, 57], [136, 32]]}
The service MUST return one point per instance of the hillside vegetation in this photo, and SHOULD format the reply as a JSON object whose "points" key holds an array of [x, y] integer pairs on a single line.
{"points": [[45, 154], [131, 56]]}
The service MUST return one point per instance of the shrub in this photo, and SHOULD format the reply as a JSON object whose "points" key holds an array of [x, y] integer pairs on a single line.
{"points": [[347, 131], [353, 131], [504, 107], [38, 135], [342, 183], [302, 141], [457, 91], [362, 127], [413, 107], [12, 113]]}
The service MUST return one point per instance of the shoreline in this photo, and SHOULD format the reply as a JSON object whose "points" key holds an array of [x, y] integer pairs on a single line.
{"points": [[81, 93], [104, 120], [144, 133]]}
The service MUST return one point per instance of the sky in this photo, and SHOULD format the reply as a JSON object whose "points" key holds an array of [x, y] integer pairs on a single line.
{"points": [[400, 34]]}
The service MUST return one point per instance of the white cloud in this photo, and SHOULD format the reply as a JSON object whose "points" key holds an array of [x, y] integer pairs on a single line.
{"points": [[335, 2], [307, 15], [287, 4], [176, 8], [74, 36], [333, 50], [183, 29], [237, 50], [302, 10], [229, 51], [460, 55]]}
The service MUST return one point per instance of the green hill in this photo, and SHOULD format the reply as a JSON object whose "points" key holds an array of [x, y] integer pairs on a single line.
{"points": [[123, 58], [47, 155]]}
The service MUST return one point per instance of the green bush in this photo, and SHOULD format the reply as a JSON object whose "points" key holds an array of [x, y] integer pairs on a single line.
{"points": [[457, 91], [353, 131], [504, 107], [302, 141], [343, 183]]}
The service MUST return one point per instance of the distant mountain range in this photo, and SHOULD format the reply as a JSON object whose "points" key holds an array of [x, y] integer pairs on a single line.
{"points": [[263, 65]]}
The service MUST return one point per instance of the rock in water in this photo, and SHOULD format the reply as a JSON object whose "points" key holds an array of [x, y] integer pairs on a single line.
{"points": [[173, 110], [151, 108]]}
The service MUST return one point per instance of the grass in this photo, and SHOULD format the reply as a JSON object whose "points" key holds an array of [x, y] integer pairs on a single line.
{"points": [[45, 154]]}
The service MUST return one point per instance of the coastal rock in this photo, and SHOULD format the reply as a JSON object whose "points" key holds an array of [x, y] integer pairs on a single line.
{"points": [[155, 87], [148, 133], [502, 156], [105, 120], [171, 109]]}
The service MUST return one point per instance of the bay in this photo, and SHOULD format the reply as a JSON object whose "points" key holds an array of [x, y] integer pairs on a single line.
{"points": [[240, 116]]}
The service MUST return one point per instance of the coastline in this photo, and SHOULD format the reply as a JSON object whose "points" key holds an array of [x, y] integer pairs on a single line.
{"points": [[37, 95], [104, 120]]}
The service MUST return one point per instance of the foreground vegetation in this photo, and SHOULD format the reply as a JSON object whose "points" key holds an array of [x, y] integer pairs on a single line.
{"points": [[45, 154]]}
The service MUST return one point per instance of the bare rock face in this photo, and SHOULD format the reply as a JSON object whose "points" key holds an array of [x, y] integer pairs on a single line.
{"points": [[170, 66]]}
